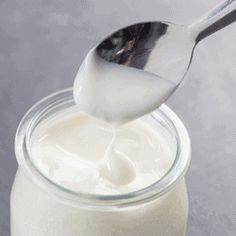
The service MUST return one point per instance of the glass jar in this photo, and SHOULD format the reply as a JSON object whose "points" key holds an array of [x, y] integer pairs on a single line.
{"points": [[40, 207]]}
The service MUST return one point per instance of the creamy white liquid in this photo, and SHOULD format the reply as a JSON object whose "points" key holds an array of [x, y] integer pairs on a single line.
{"points": [[118, 93], [85, 154]]}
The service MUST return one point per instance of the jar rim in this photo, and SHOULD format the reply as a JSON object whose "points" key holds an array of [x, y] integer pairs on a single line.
{"points": [[91, 201]]}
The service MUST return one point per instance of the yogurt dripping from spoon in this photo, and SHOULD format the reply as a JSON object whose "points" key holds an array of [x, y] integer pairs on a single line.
{"points": [[117, 94]]}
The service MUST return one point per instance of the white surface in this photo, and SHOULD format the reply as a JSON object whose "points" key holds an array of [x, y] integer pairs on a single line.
{"points": [[87, 155]]}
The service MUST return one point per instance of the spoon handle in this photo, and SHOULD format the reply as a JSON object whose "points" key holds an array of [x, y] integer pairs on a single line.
{"points": [[218, 18]]}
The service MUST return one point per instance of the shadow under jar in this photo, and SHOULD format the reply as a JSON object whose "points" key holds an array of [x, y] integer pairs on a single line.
{"points": [[40, 207]]}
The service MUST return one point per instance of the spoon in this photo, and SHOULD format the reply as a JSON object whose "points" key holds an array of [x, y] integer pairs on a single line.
{"points": [[137, 68], [163, 48]]}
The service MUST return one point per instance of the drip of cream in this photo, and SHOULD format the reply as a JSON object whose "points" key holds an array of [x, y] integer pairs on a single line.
{"points": [[118, 93], [116, 165]]}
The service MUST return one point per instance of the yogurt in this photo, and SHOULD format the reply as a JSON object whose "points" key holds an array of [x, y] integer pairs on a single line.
{"points": [[117, 93], [87, 155], [73, 182]]}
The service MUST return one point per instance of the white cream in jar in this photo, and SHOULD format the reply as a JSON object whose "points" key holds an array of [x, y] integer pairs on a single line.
{"points": [[87, 155], [44, 201]]}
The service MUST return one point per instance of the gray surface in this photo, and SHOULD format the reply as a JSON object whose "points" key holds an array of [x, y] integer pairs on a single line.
{"points": [[41, 46]]}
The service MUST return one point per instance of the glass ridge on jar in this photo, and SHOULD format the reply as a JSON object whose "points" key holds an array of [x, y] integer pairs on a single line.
{"points": [[40, 207]]}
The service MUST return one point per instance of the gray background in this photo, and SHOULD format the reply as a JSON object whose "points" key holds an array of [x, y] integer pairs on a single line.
{"points": [[41, 46]]}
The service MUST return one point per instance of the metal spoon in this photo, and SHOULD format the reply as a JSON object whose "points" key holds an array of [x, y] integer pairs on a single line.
{"points": [[164, 48]]}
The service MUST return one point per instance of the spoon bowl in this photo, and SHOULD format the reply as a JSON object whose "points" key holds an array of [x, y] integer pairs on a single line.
{"points": [[163, 48], [136, 69]]}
